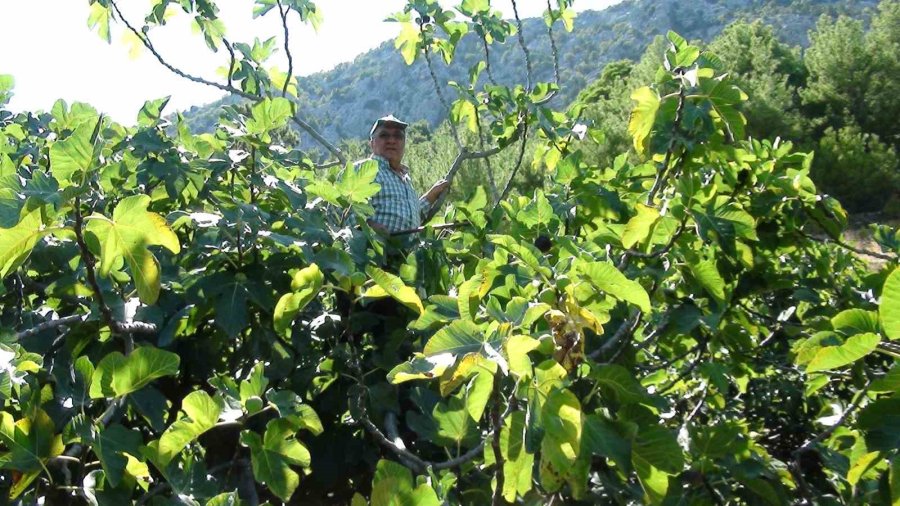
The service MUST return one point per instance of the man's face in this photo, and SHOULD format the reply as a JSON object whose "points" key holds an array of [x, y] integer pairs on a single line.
{"points": [[389, 141]]}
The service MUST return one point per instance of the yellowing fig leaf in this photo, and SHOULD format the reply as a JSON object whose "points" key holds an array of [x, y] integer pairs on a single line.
{"points": [[393, 286], [127, 235], [642, 117]]}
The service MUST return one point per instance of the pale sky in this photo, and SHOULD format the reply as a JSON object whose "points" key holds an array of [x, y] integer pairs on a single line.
{"points": [[51, 53]]}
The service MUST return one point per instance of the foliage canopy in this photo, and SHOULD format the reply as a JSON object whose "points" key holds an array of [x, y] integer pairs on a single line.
{"points": [[207, 319]]}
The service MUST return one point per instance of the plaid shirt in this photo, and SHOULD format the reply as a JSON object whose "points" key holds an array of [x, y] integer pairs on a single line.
{"points": [[397, 206]]}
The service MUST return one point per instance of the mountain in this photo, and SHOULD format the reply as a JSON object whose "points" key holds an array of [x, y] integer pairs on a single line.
{"points": [[342, 102]]}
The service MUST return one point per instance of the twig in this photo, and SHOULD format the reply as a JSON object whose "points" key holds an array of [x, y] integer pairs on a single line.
{"points": [[638, 254], [454, 168], [227, 88], [487, 160], [390, 426], [697, 406], [808, 446], [20, 298], [443, 226], [521, 35], [287, 49], [419, 464], [318, 137], [410, 459], [515, 170], [670, 361], [854, 249], [65, 459], [231, 61], [52, 324], [89, 263], [495, 443], [487, 59], [125, 329], [687, 371], [328, 165], [664, 170], [553, 49], [625, 329], [145, 40]]}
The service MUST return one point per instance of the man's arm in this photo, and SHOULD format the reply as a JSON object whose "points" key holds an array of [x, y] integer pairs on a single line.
{"points": [[436, 190]]}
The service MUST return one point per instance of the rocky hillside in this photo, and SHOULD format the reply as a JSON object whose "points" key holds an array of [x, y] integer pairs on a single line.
{"points": [[342, 102]]}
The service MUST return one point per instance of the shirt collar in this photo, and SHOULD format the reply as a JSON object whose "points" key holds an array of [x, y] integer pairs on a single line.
{"points": [[384, 161]]}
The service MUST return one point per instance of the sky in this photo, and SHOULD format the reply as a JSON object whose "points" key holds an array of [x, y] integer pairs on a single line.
{"points": [[47, 47]]}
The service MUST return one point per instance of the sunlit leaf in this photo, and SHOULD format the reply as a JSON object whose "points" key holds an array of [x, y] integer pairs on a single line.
{"points": [[562, 420], [72, 155], [458, 338], [832, 357], [606, 277], [272, 456], [643, 116], [708, 276], [393, 485], [16, 243], [127, 235], [889, 308], [394, 286], [117, 375], [518, 463], [638, 228], [201, 414]]}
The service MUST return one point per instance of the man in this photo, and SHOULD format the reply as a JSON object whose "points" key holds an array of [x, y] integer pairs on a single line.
{"points": [[397, 207]]}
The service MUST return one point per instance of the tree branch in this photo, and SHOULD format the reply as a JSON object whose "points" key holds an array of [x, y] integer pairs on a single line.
{"points": [[318, 137], [553, 49], [625, 329], [515, 170], [145, 40], [443, 226], [229, 88], [521, 35], [842, 244], [454, 168], [231, 60], [420, 465], [487, 160], [638, 254], [287, 49], [487, 59], [664, 171], [51, 324], [808, 446], [687, 371], [495, 443]]}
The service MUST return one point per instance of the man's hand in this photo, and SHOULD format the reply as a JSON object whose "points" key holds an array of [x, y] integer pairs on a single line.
{"points": [[439, 187], [378, 227]]}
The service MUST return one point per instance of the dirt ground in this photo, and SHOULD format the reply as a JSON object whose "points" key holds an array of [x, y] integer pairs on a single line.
{"points": [[859, 236]]}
